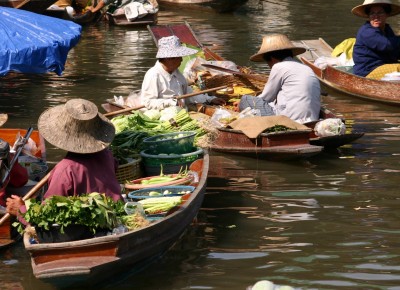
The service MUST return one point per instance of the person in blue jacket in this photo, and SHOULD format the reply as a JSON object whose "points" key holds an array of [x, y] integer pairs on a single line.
{"points": [[376, 43]]}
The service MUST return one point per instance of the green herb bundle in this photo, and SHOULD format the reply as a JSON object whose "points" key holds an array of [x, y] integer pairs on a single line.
{"points": [[95, 211]]}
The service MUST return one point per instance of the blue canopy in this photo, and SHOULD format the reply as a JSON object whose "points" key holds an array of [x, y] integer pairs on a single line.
{"points": [[34, 43]]}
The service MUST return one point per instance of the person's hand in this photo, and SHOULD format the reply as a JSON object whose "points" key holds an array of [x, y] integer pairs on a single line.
{"points": [[236, 106], [13, 204], [218, 102]]}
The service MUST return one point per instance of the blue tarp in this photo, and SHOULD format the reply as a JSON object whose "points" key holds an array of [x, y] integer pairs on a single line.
{"points": [[34, 43]]}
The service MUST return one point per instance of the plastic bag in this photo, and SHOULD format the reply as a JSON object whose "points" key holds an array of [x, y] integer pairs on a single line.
{"points": [[249, 112], [330, 127], [222, 117]]}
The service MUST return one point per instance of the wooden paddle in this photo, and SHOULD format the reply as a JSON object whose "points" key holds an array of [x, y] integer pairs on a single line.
{"points": [[178, 98], [29, 194], [249, 76]]}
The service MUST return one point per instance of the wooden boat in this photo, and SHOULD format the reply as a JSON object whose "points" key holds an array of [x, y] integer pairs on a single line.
{"points": [[8, 234], [82, 18], [341, 80], [329, 142], [94, 260], [275, 146], [220, 6], [37, 6]]}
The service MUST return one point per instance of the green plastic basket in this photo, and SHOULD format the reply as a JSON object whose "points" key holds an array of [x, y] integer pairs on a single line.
{"points": [[177, 142], [170, 163]]}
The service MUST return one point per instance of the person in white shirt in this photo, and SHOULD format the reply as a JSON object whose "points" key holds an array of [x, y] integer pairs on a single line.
{"points": [[164, 82], [292, 90]]}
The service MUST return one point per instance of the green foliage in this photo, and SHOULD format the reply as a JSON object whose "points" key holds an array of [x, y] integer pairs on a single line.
{"points": [[93, 210]]}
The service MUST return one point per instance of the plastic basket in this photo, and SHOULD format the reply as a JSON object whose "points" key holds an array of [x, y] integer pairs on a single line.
{"points": [[173, 191], [170, 163], [37, 170], [129, 171], [177, 142]]}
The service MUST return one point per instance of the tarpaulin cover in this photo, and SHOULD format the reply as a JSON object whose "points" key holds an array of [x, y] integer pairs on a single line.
{"points": [[34, 43]]}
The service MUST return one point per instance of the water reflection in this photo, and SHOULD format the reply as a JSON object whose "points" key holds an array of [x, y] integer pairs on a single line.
{"points": [[329, 222]]}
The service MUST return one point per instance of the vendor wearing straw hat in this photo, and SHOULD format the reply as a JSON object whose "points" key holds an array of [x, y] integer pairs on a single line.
{"points": [[376, 44], [78, 128], [292, 89], [163, 82]]}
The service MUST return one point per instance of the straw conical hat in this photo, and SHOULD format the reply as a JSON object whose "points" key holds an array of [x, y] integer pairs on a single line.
{"points": [[77, 127], [3, 119], [360, 9], [274, 42]]}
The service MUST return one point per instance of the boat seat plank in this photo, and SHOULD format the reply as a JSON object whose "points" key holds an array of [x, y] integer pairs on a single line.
{"points": [[315, 48], [72, 265]]}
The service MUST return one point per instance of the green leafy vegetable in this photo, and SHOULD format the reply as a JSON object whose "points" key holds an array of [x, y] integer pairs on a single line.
{"points": [[94, 210]]}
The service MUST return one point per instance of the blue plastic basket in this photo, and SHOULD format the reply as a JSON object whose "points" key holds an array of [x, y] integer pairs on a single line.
{"points": [[174, 191]]}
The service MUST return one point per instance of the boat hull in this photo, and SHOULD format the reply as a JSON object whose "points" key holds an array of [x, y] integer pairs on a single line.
{"points": [[280, 145], [94, 260], [345, 82], [220, 6], [37, 6]]}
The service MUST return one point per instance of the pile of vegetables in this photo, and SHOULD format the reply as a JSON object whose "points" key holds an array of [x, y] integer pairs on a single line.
{"points": [[95, 211], [163, 178], [170, 120], [157, 205], [277, 128], [127, 144]]}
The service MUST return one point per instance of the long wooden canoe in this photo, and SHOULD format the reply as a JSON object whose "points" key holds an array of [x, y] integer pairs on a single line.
{"points": [[343, 81], [37, 6], [220, 6], [273, 146], [94, 260], [230, 140], [8, 234]]}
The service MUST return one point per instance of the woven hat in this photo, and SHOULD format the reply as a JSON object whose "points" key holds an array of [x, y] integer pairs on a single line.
{"points": [[171, 46], [274, 42], [3, 119], [76, 126], [360, 9]]}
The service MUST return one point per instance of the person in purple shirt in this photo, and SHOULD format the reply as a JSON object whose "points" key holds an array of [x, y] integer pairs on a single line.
{"points": [[376, 44], [89, 165]]}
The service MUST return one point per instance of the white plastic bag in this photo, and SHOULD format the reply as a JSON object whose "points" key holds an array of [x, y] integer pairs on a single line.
{"points": [[134, 10], [330, 127], [249, 112], [221, 118]]}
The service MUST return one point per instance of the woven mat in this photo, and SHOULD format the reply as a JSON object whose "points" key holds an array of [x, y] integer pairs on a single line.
{"points": [[254, 126]]}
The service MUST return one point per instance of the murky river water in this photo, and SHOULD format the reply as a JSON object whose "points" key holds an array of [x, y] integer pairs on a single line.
{"points": [[329, 222]]}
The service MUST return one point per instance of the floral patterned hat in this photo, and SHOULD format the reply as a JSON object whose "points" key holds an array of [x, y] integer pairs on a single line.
{"points": [[171, 46]]}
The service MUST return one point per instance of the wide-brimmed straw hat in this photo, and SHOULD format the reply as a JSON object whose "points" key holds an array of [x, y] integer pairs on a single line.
{"points": [[274, 42], [76, 126], [171, 46], [3, 119], [360, 9]]}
